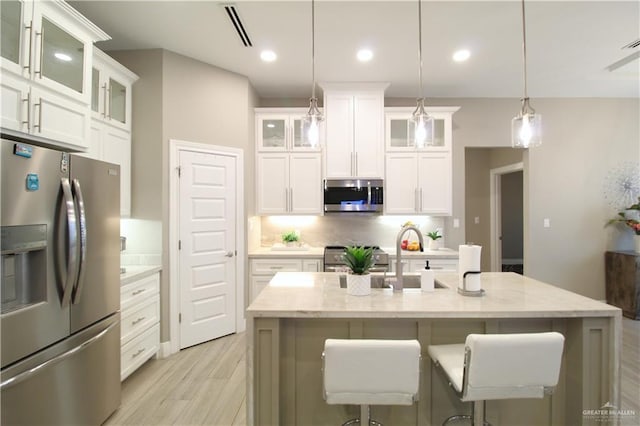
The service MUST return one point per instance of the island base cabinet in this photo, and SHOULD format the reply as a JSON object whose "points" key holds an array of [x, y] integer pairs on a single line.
{"points": [[285, 370]]}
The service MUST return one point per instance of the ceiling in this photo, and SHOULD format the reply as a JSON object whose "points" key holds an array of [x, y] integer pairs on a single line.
{"points": [[570, 44]]}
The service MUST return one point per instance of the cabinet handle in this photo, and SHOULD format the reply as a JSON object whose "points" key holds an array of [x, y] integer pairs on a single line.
{"points": [[28, 120], [30, 28], [138, 291], [39, 125], [356, 163], [421, 203], [134, 322], [140, 351], [104, 100], [229, 254], [107, 101], [290, 199], [276, 267], [41, 35], [286, 200]]}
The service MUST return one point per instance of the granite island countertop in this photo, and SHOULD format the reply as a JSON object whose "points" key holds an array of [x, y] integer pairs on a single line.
{"points": [[508, 295]]}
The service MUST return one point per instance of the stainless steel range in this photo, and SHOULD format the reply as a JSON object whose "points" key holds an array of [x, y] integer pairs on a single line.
{"points": [[334, 262]]}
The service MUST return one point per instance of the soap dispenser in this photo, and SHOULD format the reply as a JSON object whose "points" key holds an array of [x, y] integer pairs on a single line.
{"points": [[426, 278]]}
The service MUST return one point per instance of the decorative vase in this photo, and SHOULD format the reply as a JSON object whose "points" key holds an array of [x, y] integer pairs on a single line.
{"points": [[433, 244], [636, 239], [358, 285]]}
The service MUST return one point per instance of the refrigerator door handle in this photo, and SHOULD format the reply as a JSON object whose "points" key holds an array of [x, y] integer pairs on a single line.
{"points": [[12, 381], [79, 201], [72, 230]]}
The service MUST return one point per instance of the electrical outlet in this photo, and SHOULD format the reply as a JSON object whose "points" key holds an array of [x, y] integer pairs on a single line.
{"points": [[546, 223], [456, 223], [476, 220]]}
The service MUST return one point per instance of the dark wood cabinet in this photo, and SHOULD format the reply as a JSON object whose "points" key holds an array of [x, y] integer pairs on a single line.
{"points": [[622, 271]]}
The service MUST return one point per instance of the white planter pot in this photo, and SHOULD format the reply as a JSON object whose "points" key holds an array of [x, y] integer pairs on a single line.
{"points": [[358, 285], [433, 244]]}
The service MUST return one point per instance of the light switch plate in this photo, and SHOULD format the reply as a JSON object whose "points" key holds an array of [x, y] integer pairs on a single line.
{"points": [[546, 223], [476, 220], [456, 223]]}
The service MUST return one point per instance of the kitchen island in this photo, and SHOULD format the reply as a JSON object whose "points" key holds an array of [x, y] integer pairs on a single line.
{"points": [[291, 318]]}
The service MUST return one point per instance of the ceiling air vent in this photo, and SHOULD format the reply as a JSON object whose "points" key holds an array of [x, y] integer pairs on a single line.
{"points": [[632, 45], [232, 13]]}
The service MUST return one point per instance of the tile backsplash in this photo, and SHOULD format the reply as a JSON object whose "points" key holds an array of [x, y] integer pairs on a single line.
{"points": [[346, 229], [144, 242]]}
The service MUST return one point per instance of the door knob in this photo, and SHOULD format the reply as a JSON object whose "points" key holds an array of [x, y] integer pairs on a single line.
{"points": [[229, 254]]}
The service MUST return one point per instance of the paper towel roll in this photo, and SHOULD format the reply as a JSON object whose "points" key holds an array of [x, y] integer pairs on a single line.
{"points": [[469, 261]]}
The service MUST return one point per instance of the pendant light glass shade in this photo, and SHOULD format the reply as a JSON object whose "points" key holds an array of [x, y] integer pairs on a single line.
{"points": [[314, 117], [526, 127], [312, 122], [422, 121]]}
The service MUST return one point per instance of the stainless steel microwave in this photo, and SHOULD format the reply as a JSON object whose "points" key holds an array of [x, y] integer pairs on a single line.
{"points": [[353, 195]]}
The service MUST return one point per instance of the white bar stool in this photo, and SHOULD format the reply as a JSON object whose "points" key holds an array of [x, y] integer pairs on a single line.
{"points": [[500, 366], [370, 372]]}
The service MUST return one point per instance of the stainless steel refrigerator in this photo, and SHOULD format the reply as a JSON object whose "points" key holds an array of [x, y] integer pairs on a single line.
{"points": [[60, 287]]}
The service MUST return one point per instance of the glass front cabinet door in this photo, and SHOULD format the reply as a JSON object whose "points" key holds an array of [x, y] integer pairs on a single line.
{"points": [[284, 130], [16, 30], [111, 90], [400, 130]]}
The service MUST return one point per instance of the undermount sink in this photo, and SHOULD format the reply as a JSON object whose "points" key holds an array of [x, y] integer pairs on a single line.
{"points": [[384, 281]]}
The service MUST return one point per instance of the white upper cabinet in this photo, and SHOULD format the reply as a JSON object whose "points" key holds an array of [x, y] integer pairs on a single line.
{"points": [[283, 129], [47, 46], [418, 180], [354, 130], [289, 183], [111, 91], [399, 130]]}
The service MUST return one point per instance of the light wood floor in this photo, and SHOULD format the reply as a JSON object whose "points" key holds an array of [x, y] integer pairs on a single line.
{"points": [[201, 385], [205, 385]]}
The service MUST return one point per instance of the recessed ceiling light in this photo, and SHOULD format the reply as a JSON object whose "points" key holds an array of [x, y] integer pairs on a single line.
{"points": [[62, 56], [268, 55], [461, 55], [364, 55]]}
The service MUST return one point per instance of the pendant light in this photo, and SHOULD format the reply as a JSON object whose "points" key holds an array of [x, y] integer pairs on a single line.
{"points": [[422, 121], [526, 127], [314, 116]]}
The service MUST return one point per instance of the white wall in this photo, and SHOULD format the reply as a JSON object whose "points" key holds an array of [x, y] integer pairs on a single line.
{"points": [[564, 178]]}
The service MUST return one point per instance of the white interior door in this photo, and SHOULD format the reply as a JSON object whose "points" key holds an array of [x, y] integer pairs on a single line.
{"points": [[207, 274]]}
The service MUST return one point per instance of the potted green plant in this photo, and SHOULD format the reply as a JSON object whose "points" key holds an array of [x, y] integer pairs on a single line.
{"points": [[434, 236], [290, 238], [359, 260]]}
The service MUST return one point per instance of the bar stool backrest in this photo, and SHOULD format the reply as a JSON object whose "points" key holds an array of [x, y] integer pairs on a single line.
{"points": [[508, 366]]}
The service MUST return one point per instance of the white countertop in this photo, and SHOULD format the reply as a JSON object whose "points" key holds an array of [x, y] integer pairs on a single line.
{"points": [[442, 253], [136, 272], [269, 252], [508, 295]]}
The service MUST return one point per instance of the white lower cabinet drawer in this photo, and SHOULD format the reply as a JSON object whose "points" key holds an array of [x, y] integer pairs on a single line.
{"points": [[139, 350], [139, 318], [271, 266], [138, 291]]}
